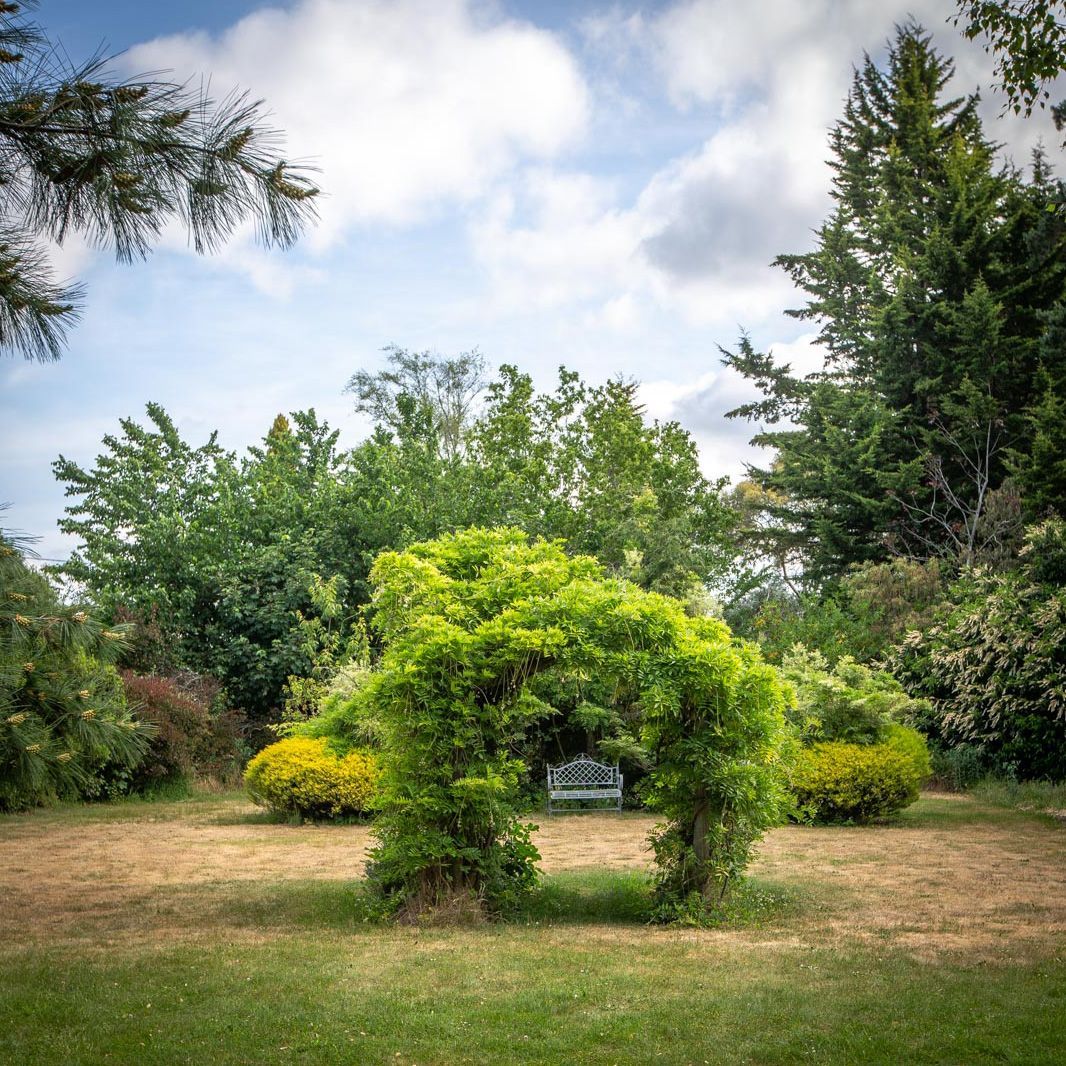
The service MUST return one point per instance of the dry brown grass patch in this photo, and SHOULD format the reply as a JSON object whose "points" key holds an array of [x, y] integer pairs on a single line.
{"points": [[980, 883]]}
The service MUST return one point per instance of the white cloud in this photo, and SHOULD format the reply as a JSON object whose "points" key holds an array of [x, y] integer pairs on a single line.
{"points": [[619, 315], [273, 274], [404, 104], [414, 106], [70, 258], [553, 239], [803, 355], [768, 79], [700, 405], [717, 51]]}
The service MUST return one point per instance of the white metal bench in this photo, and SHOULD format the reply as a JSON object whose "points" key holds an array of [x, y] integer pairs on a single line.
{"points": [[583, 779]]}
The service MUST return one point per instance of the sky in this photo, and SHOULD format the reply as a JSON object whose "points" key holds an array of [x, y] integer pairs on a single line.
{"points": [[596, 185]]}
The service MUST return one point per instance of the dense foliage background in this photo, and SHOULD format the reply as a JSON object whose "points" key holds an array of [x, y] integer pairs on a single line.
{"points": [[225, 558]]}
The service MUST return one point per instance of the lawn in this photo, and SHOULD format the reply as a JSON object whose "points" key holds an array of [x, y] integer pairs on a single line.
{"points": [[198, 932]]}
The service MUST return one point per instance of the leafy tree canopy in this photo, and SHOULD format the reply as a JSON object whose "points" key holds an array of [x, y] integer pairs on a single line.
{"points": [[420, 385], [1028, 39], [226, 553], [992, 664]]}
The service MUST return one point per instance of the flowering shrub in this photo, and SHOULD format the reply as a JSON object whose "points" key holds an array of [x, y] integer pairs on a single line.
{"points": [[992, 667], [839, 782], [301, 776]]}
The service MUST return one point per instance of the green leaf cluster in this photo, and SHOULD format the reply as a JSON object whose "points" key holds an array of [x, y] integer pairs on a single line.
{"points": [[864, 615], [847, 702], [840, 782], [248, 571], [860, 755], [302, 778], [1028, 40]]}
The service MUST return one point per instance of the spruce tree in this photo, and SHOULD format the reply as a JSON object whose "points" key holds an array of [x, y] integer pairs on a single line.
{"points": [[932, 278], [1041, 470]]}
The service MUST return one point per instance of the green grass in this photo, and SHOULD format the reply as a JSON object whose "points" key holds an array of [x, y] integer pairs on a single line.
{"points": [[577, 898], [160, 806], [299, 972], [611, 897], [510, 995], [944, 811]]}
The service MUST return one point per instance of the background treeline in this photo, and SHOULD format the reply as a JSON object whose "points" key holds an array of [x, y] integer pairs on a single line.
{"points": [[899, 515], [253, 570]]}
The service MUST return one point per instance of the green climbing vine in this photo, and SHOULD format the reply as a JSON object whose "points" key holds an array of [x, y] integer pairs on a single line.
{"points": [[466, 622]]}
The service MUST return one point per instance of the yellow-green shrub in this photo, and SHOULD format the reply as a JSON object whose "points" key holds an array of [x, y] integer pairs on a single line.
{"points": [[301, 776], [837, 782], [908, 741]]}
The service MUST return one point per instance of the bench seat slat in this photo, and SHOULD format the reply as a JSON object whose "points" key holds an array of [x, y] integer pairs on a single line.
{"points": [[587, 793]]}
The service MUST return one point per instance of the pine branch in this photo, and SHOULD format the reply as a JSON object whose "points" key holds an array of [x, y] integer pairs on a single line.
{"points": [[82, 151], [35, 312]]}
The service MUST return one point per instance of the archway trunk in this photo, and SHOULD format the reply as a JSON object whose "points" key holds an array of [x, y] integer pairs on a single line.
{"points": [[701, 823]]}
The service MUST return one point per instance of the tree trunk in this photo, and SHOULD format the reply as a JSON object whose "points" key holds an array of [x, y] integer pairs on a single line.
{"points": [[700, 824]]}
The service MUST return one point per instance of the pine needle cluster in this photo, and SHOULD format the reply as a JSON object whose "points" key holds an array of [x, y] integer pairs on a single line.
{"points": [[84, 151], [63, 712]]}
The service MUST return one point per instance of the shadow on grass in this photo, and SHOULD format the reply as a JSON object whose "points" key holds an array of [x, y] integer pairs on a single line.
{"points": [[258, 816], [589, 897], [170, 803], [940, 810], [293, 905], [578, 898], [950, 810], [265, 816], [609, 897]]}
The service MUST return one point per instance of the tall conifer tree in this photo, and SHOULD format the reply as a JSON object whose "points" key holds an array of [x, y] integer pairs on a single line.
{"points": [[931, 283]]}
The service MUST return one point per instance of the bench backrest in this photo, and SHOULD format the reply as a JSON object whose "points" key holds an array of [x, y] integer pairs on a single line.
{"points": [[583, 772]]}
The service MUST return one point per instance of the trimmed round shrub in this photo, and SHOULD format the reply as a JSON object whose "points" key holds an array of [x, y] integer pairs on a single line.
{"points": [[302, 777], [837, 782]]}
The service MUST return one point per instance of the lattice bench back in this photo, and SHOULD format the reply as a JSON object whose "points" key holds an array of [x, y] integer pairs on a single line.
{"points": [[583, 779]]}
